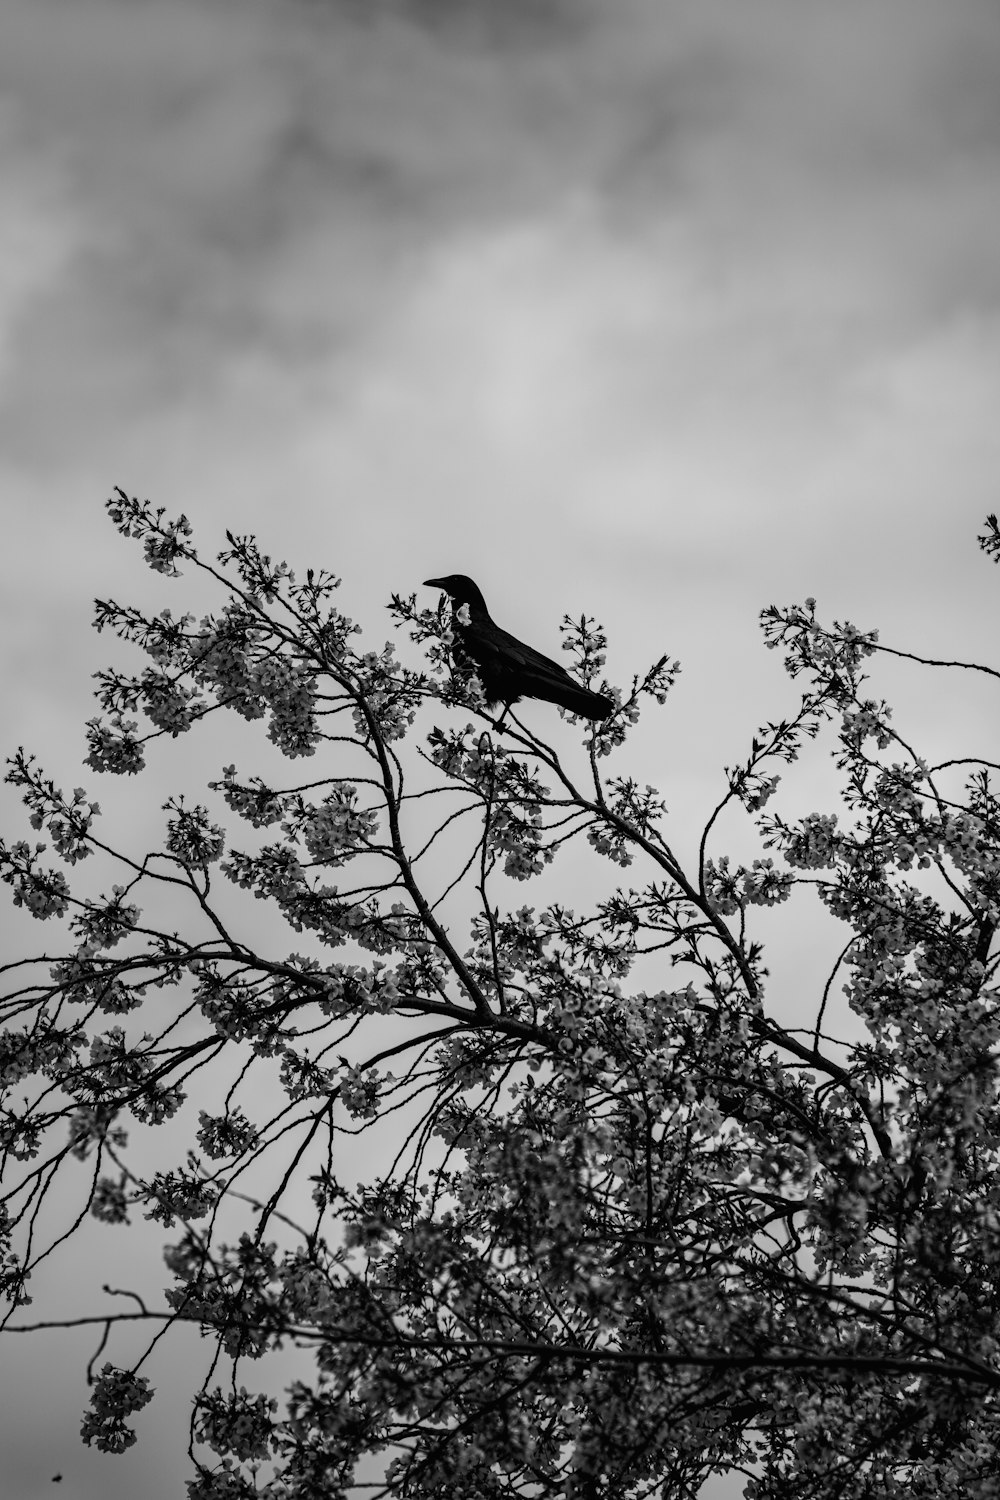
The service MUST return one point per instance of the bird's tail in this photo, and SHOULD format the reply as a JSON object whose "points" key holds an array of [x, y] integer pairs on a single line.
{"points": [[580, 700]]}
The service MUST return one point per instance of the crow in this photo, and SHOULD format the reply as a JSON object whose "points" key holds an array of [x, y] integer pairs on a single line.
{"points": [[507, 668]]}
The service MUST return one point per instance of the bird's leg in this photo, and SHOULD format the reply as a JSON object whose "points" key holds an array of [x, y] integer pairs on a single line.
{"points": [[498, 723]]}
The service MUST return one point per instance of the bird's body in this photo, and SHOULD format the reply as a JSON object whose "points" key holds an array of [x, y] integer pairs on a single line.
{"points": [[507, 668]]}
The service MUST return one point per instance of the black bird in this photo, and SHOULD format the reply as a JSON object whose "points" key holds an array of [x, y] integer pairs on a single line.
{"points": [[507, 668]]}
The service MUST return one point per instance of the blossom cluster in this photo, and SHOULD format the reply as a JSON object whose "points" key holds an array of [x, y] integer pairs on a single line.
{"points": [[117, 1395], [336, 829], [730, 891]]}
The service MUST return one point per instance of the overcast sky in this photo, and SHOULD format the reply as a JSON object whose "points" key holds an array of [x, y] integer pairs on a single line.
{"points": [[664, 310]]}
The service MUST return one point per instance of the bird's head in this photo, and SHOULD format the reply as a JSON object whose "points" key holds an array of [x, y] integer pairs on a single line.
{"points": [[461, 589]]}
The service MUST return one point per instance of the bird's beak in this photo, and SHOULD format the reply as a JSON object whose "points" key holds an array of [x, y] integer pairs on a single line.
{"points": [[433, 583]]}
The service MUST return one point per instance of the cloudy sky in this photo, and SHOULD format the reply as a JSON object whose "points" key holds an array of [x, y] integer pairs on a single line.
{"points": [[661, 309]]}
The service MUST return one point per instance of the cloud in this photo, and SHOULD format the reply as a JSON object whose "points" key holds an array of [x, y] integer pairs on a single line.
{"points": [[242, 184]]}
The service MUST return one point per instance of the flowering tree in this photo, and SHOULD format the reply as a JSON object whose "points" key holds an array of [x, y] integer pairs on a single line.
{"points": [[626, 1237]]}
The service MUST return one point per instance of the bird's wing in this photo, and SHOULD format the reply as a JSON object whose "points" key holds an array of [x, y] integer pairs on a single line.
{"points": [[510, 670], [494, 647]]}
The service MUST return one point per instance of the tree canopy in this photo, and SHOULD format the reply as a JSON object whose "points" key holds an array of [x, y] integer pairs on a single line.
{"points": [[626, 1234]]}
